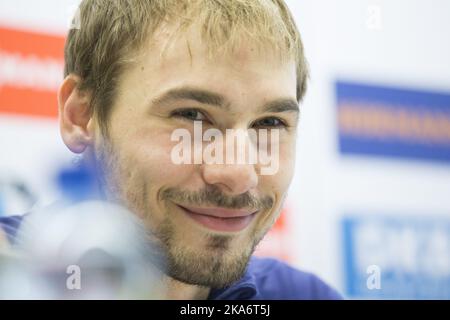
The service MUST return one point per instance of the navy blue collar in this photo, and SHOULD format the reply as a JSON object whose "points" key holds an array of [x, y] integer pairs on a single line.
{"points": [[244, 288]]}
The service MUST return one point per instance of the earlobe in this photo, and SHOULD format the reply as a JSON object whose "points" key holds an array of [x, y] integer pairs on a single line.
{"points": [[75, 115]]}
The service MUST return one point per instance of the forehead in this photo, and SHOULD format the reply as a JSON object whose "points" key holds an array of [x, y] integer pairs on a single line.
{"points": [[167, 62]]}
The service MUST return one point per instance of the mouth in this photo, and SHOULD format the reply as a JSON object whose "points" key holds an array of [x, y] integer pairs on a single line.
{"points": [[220, 219]]}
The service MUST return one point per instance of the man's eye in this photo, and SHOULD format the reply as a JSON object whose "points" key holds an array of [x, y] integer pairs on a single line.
{"points": [[190, 114], [270, 122]]}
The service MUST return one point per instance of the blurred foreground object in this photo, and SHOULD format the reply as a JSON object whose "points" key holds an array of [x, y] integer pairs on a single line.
{"points": [[81, 249]]}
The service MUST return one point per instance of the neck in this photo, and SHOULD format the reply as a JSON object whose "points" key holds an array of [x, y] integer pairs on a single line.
{"points": [[177, 290]]}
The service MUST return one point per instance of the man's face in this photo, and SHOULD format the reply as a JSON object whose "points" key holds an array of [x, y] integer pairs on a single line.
{"points": [[207, 218]]}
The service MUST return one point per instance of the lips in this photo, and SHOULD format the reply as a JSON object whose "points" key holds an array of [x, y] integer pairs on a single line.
{"points": [[220, 219]]}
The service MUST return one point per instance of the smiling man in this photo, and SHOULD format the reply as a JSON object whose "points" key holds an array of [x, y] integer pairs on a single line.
{"points": [[137, 71]]}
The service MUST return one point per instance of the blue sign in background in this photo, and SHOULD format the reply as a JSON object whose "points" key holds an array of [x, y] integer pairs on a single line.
{"points": [[364, 96], [411, 253]]}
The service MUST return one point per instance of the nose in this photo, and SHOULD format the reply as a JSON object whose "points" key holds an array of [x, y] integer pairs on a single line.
{"points": [[233, 179]]}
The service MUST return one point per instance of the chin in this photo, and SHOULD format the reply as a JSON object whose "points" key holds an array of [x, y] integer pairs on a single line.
{"points": [[214, 264]]}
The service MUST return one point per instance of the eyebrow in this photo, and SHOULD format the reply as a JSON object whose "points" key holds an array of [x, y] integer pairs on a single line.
{"points": [[189, 93], [281, 105], [218, 100]]}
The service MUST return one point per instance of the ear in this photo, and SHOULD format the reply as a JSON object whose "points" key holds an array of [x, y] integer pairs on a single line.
{"points": [[75, 118]]}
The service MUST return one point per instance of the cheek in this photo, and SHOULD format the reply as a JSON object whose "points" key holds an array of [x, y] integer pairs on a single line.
{"points": [[287, 165], [146, 167], [151, 155], [278, 183]]}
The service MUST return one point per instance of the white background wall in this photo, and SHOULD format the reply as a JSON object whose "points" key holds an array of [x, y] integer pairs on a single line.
{"points": [[410, 48]]}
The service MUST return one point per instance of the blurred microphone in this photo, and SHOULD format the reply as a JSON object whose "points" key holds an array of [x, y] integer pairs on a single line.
{"points": [[82, 248]]}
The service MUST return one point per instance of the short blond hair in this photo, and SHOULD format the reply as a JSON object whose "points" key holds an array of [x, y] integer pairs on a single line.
{"points": [[109, 31]]}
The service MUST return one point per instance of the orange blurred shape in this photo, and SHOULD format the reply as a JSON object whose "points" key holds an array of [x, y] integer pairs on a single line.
{"points": [[280, 224], [31, 67], [277, 241]]}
